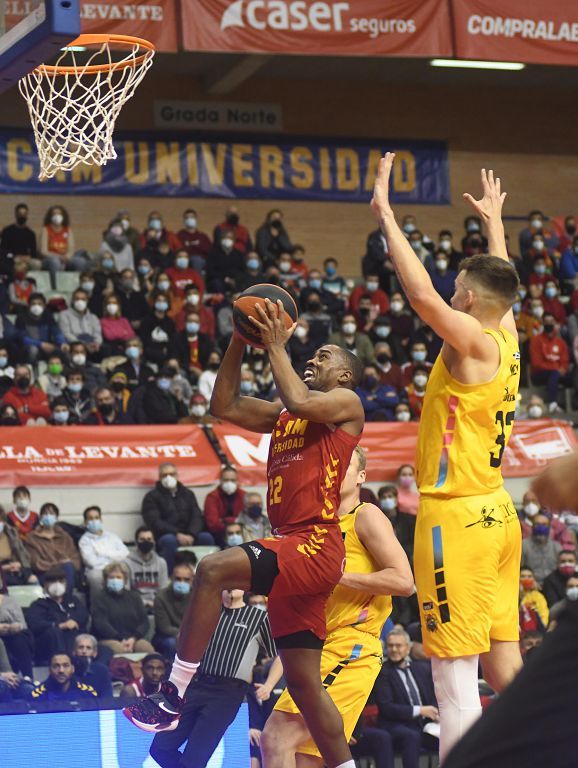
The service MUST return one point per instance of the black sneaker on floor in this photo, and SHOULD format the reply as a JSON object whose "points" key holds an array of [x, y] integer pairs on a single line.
{"points": [[158, 712]]}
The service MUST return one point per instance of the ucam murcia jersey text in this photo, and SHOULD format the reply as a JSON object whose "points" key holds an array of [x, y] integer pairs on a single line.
{"points": [[306, 466]]}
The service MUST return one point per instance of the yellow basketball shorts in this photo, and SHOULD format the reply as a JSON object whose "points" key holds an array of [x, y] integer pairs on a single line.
{"points": [[467, 572], [350, 663]]}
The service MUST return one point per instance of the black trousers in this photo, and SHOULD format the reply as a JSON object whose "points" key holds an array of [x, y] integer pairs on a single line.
{"points": [[533, 724], [375, 743], [210, 707], [20, 649]]}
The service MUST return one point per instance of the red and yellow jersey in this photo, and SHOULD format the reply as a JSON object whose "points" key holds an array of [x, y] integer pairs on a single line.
{"points": [[306, 466], [350, 607], [464, 428]]}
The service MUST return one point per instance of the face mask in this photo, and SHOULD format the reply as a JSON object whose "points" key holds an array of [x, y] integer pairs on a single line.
{"points": [[572, 593], [567, 569], [163, 285], [313, 306], [473, 226], [246, 387], [516, 307], [164, 384], [21, 221], [403, 416], [57, 219], [370, 382], [107, 264], [300, 332], [169, 482], [382, 331], [22, 503], [48, 520], [56, 589], [331, 270], [145, 546], [80, 305], [388, 504], [55, 369], [255, 511], [408, 228], [125, 224], [112, 309], [198, 410], [536, 223], [446, 245], [315, 284], [193, 328], [229, 487], [155, 224], [214, 366], [193, 299], [349, 329], [234, 539], [550, 292], [396, 306], [233, 219], [538, 311], [36, 310], [22, 382], [87, 286], [540, 269], [535, 412], [420, 380], [115, 585], [143, 269], [1, 528], [190, 222], [416, 245], [161, 306], [383, 358], [116, 231], [227, 243], [61, 417], [3, 361], [94, 526], [548, 327], [538, 245], [406, 481], [419, 355], [132, 352], [523, 292], [182, 262], [74, 386], [442, 265], [541, 529], [527, 583], [571, 228], [531, 508], [371, 287], [117, 386], [181, 587], [285, 266]]}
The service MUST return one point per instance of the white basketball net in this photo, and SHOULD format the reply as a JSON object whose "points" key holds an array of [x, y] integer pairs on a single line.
{"points": [[73, 113]]}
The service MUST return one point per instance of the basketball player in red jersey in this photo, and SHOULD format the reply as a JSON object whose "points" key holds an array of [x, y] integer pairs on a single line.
{"points": [[315, 427]]}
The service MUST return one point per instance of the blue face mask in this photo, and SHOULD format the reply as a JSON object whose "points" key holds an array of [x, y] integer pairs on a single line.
{"points": [[94, 526], [181, 587], [182, 263], [132, 353], [550, 293], [193, 328], [540, 529], [161, 306], [234, 539], [164, 384], [315, 283], [143, 269], [516, 307], [331, 270], [419, 356], [61, 417], [74, 386], [246, 387], [252, 263], [107, 263], [115, 584], [48, 520]]}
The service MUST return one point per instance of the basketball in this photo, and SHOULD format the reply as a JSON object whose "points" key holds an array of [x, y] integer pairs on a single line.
{"points": [[245, 307]]}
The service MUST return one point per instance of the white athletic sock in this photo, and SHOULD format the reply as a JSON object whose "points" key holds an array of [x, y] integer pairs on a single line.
{"points": [[182, 673], [348, 764], [456, 686]]}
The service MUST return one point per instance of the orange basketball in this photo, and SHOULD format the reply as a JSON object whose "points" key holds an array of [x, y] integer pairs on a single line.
{"points": [[244, 308]]}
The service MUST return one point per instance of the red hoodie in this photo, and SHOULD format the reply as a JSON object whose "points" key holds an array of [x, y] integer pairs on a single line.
{"points": [[548, 353], [30, 405]]}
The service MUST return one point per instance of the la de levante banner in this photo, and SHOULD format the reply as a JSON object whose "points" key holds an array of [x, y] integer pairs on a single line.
{"points": [[130, 456], [244, 167]]}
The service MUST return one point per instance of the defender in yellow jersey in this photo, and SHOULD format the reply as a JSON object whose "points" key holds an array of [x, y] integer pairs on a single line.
{"points": [[376, 567], [468, 539]]}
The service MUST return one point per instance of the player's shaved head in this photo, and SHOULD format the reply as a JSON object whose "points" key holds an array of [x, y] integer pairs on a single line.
{"points": [[494, 280], [352, 364]]}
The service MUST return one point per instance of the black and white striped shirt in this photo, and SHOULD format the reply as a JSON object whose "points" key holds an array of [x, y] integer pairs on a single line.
{"points": [[233, 649]]}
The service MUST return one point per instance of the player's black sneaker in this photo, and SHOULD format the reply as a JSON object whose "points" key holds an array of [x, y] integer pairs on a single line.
{"points": [[158, 712]]}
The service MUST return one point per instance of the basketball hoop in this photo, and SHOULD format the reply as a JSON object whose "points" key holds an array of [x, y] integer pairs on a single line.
{"points": [[74, 103]]}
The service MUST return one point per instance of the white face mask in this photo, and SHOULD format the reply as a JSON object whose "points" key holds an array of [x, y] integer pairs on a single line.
{"points": [[112, 309], [227, 243], [36, 310], [79, 359], [535, 411], [300, 332], [403, 416], [22, 503], [531, 508], [56, 589], [349, 328], [442, 265], [169, 482], [371, 287], [537, 311], [396, 306], [80, 305], [388, 503], [198, 411], [190, 222], [446, 245], [229, 487], [57, 219], [420, 380], [193, 298]]}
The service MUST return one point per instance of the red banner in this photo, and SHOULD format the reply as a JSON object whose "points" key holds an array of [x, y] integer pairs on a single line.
{"points": [[540, 32], [532, 446], [154, 20], [104, 456], [360, 28]]}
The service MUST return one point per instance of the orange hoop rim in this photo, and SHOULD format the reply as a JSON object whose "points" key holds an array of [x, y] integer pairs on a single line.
{"points": [[86, 41]]}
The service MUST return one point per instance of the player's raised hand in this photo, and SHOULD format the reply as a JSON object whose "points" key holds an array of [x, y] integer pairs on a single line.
{"points": [[272, 324], [490, 205], [380, 202]]}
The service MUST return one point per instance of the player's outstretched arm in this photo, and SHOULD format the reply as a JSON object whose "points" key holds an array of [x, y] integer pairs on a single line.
{"points": [[378, 537], [226, 402], [340, 406], [458, 329], [489, 209]]}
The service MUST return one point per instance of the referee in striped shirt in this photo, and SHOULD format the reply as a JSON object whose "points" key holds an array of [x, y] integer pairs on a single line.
{"points": [[216, 692]]}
